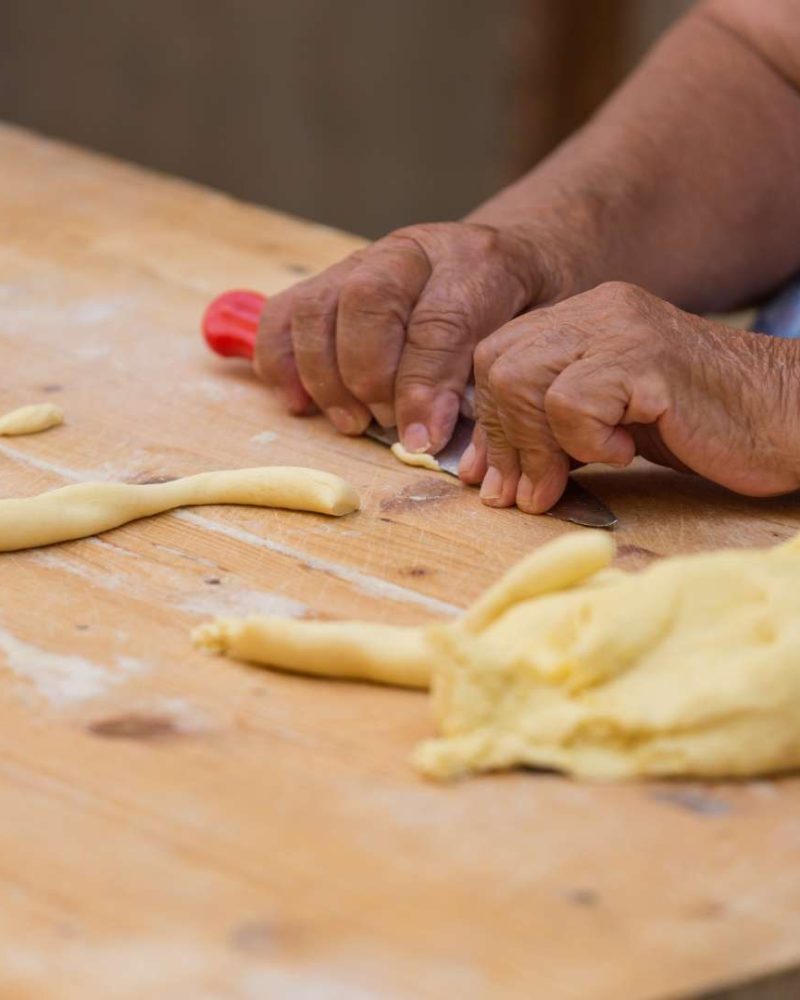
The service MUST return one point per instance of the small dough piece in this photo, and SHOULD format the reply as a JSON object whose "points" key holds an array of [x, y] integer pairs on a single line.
{"points": [[31, 419], [90, 508], [420, 459], [386, 654]]}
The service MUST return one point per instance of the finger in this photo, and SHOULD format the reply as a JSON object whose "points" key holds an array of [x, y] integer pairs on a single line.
{"points": [[375, 304], [456, 309], [519, 382], [537, 491], [273, 358], [499, 486], [314, 343], [585, 406], [473, 464], [499, 469]]}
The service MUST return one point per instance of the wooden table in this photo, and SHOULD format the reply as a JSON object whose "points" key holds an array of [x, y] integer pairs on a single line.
{"points": [[176, 825]]}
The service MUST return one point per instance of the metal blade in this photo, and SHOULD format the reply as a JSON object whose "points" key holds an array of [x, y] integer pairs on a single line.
{"points": [[577, 504], [580, 506]]}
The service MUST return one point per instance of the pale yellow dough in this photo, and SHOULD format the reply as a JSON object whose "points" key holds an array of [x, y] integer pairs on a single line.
{"points": [[31, 419], [690, 667], [89, 508], [420, 459], [386, 654]]}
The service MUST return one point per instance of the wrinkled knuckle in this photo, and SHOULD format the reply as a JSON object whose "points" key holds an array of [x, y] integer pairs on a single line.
{"points": [[368, 296], [366, 385], [414, 393], [312, 305], [428, 368], [415, 235], [358, 290], [485, 241], [407, 234], [623, 295], [483, 358], [410, 241], [561, 402], [441, 330], [503, 380]]}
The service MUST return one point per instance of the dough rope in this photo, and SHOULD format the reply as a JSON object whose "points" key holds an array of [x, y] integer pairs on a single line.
{"points": [[385, 654], [690, 667], [31, 419], [90, 508]]}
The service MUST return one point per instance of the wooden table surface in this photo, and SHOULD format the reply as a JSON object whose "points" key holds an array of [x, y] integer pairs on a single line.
{"points": [[176, 825]]}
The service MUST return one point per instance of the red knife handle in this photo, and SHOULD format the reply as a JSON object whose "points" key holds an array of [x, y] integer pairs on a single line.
{"points": [[230, 323]]}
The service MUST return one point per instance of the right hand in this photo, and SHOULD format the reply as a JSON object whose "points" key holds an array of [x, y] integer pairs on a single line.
{"points": [[389, 332]]}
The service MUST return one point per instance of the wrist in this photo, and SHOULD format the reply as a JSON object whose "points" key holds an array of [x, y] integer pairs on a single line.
{"points": [[784, 362], [564, 240]]}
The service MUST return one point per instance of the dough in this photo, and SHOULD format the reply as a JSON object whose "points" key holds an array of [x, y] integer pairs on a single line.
{"points": [[420, 459], [387, 654], [31, 419], [89, 508], [562, 564], [690, 667]]}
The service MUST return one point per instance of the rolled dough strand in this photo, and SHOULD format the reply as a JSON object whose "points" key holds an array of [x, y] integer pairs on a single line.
{"points": [[385, 654], [90, 508], [31, 419], [560, 564]]}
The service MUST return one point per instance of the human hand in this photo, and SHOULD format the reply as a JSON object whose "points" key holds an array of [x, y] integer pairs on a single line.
{"points": [[616, 372], [389, 331]]}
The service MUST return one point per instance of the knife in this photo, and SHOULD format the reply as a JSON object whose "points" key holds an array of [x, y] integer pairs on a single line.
{"points": [[229, 326], [577, 504]]}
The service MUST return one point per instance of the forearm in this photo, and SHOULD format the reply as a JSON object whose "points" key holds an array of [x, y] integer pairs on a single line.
{"points": [[687, 181]]}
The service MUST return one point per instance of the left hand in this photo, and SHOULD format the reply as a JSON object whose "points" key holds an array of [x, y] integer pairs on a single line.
{"points": [[616, 372]]}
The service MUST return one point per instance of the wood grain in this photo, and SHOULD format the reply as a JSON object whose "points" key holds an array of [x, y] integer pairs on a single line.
{"points": [[177, 825]]}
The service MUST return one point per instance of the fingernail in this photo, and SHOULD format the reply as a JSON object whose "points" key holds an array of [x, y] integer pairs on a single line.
{"points": [[492, 486], [416, 438], [467, 459], [344, 421], [384, 414], [524, 492], [543, 499]]}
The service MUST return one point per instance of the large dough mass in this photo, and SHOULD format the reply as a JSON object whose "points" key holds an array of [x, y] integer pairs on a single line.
{"points": [[89, 508], [690, 667]]}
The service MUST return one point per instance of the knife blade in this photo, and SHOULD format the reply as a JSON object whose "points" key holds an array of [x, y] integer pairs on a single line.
{"points": [[578, 505]]}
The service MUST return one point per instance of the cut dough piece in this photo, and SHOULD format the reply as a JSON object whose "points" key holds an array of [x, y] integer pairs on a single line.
{"points": [[420, 459], [89, 508], [31, 419], [387, 654]]}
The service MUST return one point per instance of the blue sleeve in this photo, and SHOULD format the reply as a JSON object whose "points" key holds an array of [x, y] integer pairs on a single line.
{"points": [[780, 316]]}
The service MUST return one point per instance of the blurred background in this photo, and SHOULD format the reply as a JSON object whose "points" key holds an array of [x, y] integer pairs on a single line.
{"points": [[362, 114]]}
